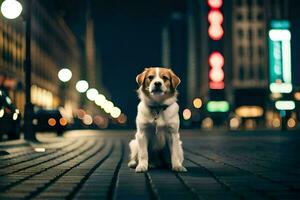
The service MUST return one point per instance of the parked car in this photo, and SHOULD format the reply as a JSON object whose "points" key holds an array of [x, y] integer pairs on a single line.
{"points": [[49, 121], [10, 118]]}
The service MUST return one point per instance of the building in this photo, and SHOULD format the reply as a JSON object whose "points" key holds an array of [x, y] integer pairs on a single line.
{"points": [[245, 49], [53, 46]]}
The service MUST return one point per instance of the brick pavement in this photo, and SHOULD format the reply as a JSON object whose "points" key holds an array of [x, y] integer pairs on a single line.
{"points": [[93, 165]]}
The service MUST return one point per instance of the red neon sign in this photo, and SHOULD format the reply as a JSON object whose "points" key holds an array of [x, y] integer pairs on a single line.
{"points": [[216, 73], [216, 4]]}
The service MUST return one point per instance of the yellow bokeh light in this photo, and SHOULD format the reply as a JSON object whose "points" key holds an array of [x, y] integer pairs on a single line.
{"points": [[276, 122], [186, 114], [291, 123], [234, 123], [197, 102], [297, 96]]}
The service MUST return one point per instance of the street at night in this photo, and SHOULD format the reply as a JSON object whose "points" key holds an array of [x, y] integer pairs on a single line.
{"points": [[139, 99], [93, 165]]}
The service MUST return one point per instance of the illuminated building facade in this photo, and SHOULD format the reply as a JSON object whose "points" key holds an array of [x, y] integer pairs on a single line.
{"points": [[246, 54], [53, 47]]}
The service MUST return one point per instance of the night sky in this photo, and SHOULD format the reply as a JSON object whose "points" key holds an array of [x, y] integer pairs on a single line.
{"points": [[128, 38]]}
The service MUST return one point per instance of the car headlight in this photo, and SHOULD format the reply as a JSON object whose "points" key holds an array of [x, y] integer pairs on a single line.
{"points": [[15, 116], [1, 112]]}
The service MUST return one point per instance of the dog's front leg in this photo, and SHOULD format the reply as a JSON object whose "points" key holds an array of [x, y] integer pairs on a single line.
{"points": [[142, 152], [175, 146]]}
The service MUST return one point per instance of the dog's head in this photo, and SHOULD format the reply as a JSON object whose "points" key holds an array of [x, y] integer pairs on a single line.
{"points": [[158, 83]]}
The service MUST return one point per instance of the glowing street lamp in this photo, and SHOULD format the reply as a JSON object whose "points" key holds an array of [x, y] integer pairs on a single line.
{"points": [[100, 100], [92, 94], [11, 9], [82, 86], [65, 75], [115, 112]]}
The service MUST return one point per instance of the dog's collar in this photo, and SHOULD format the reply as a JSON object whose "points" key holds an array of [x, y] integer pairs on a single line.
{"points": [[157, 109]]}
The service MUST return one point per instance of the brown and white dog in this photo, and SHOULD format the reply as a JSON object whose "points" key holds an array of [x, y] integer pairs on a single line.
{"points": [[157, 119]]}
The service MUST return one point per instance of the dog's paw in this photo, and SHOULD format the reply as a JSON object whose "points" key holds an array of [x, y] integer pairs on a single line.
{"points": [[179, 168], [141, 168], [132, 164]]}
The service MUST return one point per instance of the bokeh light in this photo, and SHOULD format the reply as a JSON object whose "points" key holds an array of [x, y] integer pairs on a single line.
{"points": [[122, 118], [234, 123], [115, 112], [216, 4], [82, 86], [291, 122], [207, 123], [64, 75], [108, 106], [216, 74], [91, 94], [87, 120], [63, 121], [216, 60], [100, 100], [215, 31], [11, 9], [197, 102], [215, 16], [186, 114], [51, 122]]}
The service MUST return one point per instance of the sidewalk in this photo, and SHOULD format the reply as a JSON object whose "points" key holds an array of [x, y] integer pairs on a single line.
{"points": [[90, 165]]}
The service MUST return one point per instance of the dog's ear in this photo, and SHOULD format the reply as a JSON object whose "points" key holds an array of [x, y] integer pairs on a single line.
{"points": [[175, 80], [141, 77]]}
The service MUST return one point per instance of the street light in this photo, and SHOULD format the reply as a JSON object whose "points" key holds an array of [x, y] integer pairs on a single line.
{"points": [[11, 9], [92, 94], [82, 86], [65, 75], [115, 112]]}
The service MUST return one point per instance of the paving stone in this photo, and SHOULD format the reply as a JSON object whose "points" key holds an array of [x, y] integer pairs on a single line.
{"points": [[224, 166]]}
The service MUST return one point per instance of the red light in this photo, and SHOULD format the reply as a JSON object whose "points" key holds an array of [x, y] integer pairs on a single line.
{"points": [[215, 17], [216, 60], [215, 3], [215, 31], [216, 85], [216, 75]]}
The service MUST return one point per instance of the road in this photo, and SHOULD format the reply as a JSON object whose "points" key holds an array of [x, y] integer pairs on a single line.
{"points": [[93, 165]]}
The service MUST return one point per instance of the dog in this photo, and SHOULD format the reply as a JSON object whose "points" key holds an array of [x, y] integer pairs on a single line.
{"points": [[157, 120]]}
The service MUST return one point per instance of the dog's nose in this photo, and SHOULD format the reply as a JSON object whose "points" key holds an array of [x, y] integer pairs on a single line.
{"points": [[157, 84]]}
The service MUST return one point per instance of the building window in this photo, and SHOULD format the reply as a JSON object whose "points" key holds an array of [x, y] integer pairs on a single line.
{"points": [[260, 51], [238, 2], [251, 72], [250, 35], [239, 16], [249, 15], [241, 72], [249, 3], [260, 16], [261, 72], [260, 3], [260, 33], [241, 51], [250, 51], [240, 33]]}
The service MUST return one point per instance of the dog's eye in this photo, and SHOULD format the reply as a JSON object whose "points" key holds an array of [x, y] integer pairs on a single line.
{"points": [[150, 77], [165, 78]]}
